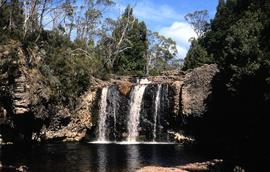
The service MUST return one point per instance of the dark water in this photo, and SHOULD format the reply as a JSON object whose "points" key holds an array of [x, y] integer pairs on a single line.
{"points": [[84, 157]]}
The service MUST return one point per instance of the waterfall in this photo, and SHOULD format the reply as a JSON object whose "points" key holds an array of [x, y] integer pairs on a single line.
{"points": [[103, 115], [143, 81], [157, 107], [134, 113], [120, 114]]}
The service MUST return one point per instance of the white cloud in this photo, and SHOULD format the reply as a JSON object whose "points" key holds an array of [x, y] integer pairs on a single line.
{"points": [[181, 32], [182, 51], [164, 19], [148, 11]]}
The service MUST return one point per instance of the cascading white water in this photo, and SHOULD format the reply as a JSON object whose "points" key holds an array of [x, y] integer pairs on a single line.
{"points": [[134, 113], [103, 115], [157, 107], [110, 123], [143, 81]]}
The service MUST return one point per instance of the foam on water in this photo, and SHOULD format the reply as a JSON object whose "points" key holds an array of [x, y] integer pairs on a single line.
{"points": [[133, 143]]}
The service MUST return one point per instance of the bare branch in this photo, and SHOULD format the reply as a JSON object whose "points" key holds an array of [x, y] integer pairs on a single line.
{"points": [[2, 3]]}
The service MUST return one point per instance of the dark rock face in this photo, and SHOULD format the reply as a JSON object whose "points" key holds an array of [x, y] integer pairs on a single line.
{"points": [[21, 91], [116, 109], [119, 106], [147, 113], [196, 89], [165, 115]]}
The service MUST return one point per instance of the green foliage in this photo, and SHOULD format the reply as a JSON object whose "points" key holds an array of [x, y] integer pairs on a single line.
{"points": [[7, 67], [73, 74], [128, 45], [133, 59], [196, 56], [68, 66], [161, 54], [198, 21], [239, 43], [120, 47], [11, 20], [242, 53]]}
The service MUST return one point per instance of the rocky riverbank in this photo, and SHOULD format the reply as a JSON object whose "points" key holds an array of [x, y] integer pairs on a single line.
{"points": [[197, 166]]}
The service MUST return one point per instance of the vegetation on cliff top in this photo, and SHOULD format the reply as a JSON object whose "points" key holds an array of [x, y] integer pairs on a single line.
{"points": [[76, 42]]}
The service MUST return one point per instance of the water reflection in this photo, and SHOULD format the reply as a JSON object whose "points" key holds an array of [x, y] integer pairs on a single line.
{"points": [[133, 157], [94, 157], [102, 158]]}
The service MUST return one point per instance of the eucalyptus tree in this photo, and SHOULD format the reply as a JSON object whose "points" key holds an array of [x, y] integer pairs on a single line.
{"points": [[89, 18], [198, 21], [161, 51], [123, 44]]}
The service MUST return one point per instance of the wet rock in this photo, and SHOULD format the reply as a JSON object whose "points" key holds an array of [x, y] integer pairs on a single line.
{"points": [[124, 88]]}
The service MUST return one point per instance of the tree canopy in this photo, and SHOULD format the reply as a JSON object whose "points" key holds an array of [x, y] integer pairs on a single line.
{"points": [[79, 42]]}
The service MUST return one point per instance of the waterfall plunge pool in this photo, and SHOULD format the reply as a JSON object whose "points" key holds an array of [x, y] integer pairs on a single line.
{"points": [[82, 157]]}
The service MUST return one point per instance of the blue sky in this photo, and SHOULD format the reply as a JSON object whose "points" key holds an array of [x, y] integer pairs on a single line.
{"points": [[167, 17]]}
